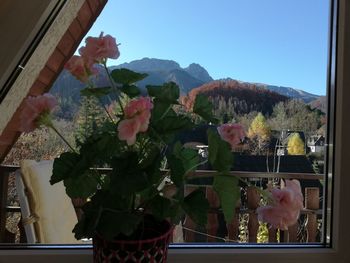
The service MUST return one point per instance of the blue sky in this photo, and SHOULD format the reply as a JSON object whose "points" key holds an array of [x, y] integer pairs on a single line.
{"points": [[277, 42]]}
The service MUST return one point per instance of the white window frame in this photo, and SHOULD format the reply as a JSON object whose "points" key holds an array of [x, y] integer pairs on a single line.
{"points": [[338, 252]]}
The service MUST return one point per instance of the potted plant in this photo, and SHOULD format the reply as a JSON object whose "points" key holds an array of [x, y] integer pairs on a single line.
{"points": [[131, 207]]}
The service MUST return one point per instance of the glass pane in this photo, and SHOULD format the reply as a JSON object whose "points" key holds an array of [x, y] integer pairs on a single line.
{"points": [[263, 65]]}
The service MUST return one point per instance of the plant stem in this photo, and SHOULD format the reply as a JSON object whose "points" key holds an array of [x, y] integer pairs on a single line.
{"points": [[113, 86], [157, 135], [196, 165], [91, 85], [60, 135], [110, 117], [165, 112]]}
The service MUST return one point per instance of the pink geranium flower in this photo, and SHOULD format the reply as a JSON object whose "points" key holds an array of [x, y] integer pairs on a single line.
{"points": [[285, 209], [138, 111], [141, 110], [100, 48], [231, 133], [80, 68], [128, 129], [36, 111]]}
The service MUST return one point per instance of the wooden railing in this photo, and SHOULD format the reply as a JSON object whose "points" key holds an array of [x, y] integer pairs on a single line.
{"points": [[217, 230], [5, 235], [306, 231]]}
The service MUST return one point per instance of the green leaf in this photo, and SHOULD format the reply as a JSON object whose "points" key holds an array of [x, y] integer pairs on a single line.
{"points": [[196, 206], [162, 207], [86, 226], [161, 110], [189, 159], [151, 163], [220, 156], [204, 108], [177, 170], [81, 230], [182, 161], [130, 90], [169, 92], [111, 224], [229, 193], [67, 165], [94, 210], [100, 148], [105, 147], [82, 186], [95, 92], [126, 76], [127, 176], [173, 124]]}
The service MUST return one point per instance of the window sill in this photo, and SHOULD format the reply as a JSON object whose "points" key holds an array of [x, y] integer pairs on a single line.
{"points": [[263, 254]]}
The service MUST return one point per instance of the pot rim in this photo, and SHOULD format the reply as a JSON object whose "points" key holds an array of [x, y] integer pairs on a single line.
{"points": [[142, 241]]}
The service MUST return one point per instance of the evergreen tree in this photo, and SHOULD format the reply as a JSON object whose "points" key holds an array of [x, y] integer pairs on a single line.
{"points": [[296, 145], [89, 116]]}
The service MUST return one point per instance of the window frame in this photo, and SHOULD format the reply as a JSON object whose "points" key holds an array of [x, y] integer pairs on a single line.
{"points": [[338, 94]]}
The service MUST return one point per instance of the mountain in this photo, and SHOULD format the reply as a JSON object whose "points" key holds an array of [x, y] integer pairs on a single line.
{"points": [[285, 91], [198, 72], [293, 93], [159, 71], [162, 70], [67, 88], [232, 95], [150, 65]]}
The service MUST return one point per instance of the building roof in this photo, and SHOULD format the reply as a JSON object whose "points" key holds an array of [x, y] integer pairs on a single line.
{"points": [[259, 163], [59, 40]]}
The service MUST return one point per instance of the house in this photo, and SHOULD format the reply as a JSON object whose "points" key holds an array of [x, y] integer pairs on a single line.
{"points": [[316, 143], [279, 144]]}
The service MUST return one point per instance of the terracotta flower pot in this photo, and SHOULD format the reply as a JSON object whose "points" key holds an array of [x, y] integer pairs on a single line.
{"points": [[152, 249]]}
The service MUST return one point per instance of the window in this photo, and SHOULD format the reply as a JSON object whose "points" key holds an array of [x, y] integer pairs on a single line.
{"points": [[339, 236]]}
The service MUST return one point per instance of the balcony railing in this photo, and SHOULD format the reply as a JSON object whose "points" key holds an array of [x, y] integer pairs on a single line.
{"points": [[217, 230]]}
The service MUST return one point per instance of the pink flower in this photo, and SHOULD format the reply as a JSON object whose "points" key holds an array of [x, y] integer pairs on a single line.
{"points": [[80, 68], [286, 206], [137, 111], [231, 133], [140, 109], [135, 107], [36, 111], [127, 130], [100, 48]]}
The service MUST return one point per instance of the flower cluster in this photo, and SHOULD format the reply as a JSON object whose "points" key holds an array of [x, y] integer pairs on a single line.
{"points": [[97, 50], [285, 206], [232, 133], [36, 112], [135, 143], [137, 115]]}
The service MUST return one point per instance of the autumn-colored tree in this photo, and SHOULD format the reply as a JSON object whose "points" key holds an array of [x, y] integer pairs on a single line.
{"points": [[259, 133], [296, 145]]}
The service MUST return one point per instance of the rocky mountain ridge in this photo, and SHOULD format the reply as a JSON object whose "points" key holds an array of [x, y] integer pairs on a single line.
{"points": [[159, 71]]}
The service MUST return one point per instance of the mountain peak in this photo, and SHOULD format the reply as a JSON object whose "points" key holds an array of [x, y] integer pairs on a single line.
{"points": [[198, 72], [151, 64]]}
